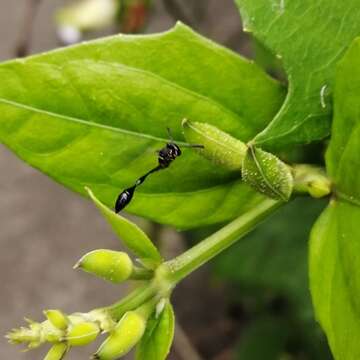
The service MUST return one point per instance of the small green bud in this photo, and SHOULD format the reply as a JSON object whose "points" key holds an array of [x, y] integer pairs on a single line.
{"points": [[57, 352], [219, 147], [319, 189], [103, 318], [113, 266], [312, 180], [123, 338], [30, 335], [57, 319], [82, 334], [267, 174]]}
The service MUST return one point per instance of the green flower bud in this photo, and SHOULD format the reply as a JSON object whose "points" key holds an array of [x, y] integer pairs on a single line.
{"points": [[57, 352], [82, 334], [267, 174], [30, 335], [113, 266], [57, 319], [219, 147], [123, 338], [312, 180]]}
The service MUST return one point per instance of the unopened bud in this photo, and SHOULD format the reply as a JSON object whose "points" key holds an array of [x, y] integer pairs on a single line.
{"points": [[123, 338], [219, 147], [113, 266], [57, 319], [267, 174], [57, 352], [82, 334], [312, 180]]}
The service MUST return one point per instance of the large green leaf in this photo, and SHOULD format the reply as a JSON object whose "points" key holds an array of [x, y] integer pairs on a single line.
{"points": [[310, 37], [95, 114], [158, 337], [332, 297], [343, 163], [335, 241], [343, 155]]}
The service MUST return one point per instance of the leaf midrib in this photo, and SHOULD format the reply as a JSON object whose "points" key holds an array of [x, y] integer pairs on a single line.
{"points": [[86, 122]]}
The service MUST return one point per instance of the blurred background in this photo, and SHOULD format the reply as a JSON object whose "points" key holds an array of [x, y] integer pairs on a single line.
{"points": [[251, 303]]}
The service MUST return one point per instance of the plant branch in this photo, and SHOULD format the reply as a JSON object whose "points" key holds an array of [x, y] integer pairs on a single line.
{"points": [[201, 253], [171, 272]]}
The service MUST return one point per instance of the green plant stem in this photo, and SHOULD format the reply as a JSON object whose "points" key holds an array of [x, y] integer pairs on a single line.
{"points": [[141, 274], [201, 253], [132, 301], [171, 272]]}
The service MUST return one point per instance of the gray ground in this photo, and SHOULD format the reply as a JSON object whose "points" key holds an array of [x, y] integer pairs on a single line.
{"points": [[45, 228]]}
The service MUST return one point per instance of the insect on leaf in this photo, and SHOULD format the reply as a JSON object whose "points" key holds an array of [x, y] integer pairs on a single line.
{"points": [[96, 113]]}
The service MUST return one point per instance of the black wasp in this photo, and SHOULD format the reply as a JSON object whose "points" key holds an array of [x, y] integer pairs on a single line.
{"points": [[166, 156]]}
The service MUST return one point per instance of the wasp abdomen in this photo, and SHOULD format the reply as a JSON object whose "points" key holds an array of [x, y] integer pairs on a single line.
{"points": [[124, 198]]}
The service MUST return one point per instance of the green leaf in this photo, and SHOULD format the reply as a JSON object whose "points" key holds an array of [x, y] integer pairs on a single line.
{"points": [[131, 235], [343, 162], [332, 297], [95, 114], [267, 174], [335, 245], [310, 37], [158, 337], [343, 155]]}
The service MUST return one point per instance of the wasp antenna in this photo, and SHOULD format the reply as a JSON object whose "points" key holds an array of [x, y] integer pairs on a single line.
{"points": [[169, 134]]}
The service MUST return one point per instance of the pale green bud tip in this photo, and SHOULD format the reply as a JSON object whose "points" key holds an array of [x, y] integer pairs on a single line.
{"points": [[82, 334], [30, 335], [113, 266], [319, 189], [57, 352], [123, 338], [57, 319]]}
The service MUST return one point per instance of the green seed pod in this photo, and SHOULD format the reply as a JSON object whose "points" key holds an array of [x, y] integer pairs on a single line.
{"points": [[267, 174], [113, 266], [82, 334], [123, 338], [57, 319], [57, 352], [219, 147]]}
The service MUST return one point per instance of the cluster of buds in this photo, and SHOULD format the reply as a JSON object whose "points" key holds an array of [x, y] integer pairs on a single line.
{"points": [[79, 329]]}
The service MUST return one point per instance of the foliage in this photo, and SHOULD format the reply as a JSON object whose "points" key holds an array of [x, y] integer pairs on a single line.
{"points": [[310, 38], [334, 260]]}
